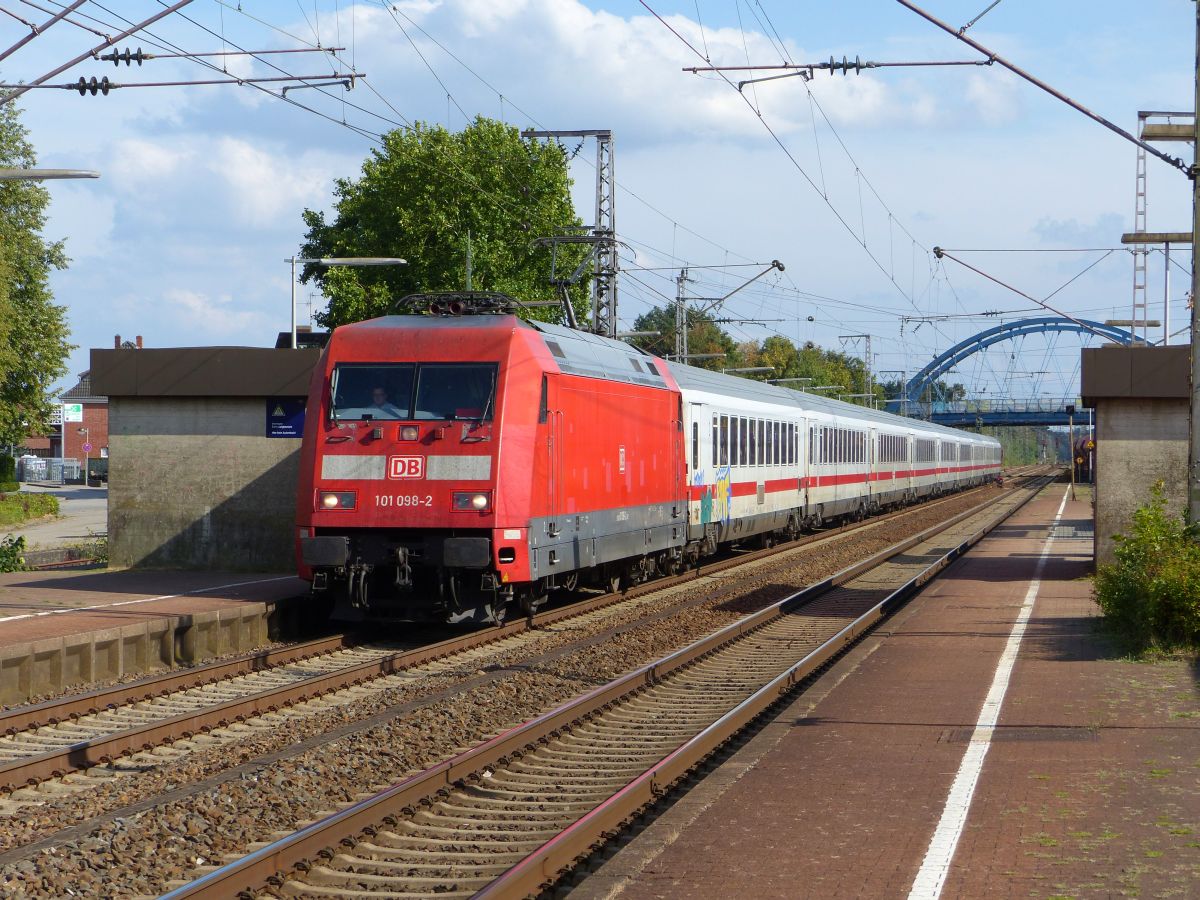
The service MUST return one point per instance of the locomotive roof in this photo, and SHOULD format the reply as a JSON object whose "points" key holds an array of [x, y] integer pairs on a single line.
{"points": [[595, 356], [584, 353], [697, 379]]}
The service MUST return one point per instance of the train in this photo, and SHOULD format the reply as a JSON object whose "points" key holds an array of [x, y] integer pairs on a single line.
{"points": [[462, 464]]}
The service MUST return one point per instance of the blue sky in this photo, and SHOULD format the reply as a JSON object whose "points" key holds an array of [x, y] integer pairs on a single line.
{"points": [[183, 238]]}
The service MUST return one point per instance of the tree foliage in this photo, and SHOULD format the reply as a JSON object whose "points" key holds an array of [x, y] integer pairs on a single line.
{"points": [[704, 336], [33, 330], [785, 359], [422, 197]]}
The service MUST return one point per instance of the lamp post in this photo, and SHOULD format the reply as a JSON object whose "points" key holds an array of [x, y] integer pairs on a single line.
{"points": [[87, 450], [355, 261], [45, 174]]}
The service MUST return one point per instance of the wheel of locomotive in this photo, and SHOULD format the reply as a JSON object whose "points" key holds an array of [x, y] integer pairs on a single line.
{"points": [[533, 598], [669, 565], [611, 580]]}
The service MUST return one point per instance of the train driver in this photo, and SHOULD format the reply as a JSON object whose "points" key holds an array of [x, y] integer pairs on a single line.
{"points": [[379, 401]]}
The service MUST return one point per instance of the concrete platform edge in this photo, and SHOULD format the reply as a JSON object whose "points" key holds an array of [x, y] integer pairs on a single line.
{"points": [[58, 663]]}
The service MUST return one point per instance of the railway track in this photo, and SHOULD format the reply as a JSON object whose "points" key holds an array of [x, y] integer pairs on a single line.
{"points": [[506, 817], [86, 731]]}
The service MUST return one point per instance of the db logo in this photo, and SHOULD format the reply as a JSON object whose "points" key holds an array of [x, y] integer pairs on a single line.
{"points": [[406, 467]]}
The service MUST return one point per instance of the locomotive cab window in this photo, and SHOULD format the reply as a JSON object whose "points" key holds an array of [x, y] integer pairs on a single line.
{"points": [[373, 391], [403, 391], [448, 391]]}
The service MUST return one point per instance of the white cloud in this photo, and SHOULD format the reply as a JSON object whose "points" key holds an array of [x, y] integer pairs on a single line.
{"points": [[994, 97], [263, 187]]}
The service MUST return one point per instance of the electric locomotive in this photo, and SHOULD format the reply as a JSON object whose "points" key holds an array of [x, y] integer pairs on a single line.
{"points": [[455, 466], [462, 464]]}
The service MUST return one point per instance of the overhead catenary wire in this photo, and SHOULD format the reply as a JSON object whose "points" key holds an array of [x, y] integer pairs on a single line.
{"points": [[1037, 82], [940, 253], [790, 156], [36, 30]]}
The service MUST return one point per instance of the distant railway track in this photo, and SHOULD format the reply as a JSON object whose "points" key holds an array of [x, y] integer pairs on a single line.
{"points": [[78, 732], [506, 817]]}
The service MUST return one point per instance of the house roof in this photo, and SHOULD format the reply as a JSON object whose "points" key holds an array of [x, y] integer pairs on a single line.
{"points": [[83, 392]]}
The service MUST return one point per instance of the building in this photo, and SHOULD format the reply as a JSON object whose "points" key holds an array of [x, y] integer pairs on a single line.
{"points": [[1140, 395], [204, 446]]}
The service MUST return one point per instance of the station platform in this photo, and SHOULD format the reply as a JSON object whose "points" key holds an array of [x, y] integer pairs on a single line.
{"points": [[955, 752], [59, 629]]}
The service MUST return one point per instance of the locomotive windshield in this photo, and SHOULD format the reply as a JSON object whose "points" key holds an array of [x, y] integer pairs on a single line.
{"points": [[430, 391]]}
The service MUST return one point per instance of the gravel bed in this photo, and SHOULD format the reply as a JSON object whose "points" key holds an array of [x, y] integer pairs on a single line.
{"points": [[139, 854]]}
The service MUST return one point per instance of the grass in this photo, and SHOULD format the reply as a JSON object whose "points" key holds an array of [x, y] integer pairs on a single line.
{"points": [[18, 508]]}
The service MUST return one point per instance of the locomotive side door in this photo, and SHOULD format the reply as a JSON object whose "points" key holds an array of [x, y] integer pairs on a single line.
{"points": [[554, 458]]}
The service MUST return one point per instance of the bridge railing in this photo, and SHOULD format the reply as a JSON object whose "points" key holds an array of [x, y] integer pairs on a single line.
{"points": [[992, 406]]}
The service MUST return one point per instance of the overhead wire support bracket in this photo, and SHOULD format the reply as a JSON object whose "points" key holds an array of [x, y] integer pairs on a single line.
{"points": [[108, 42], [102, 86], [1053, 92], [129, 57], [807, 70], [942, 254]]}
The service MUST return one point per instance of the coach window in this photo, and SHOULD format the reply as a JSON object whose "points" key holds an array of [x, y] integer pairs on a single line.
{"points": [[716, 440], [724, 440], [695, 446], [754, 442]]}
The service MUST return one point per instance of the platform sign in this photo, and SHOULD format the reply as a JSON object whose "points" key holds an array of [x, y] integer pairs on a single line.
{"points": [[72, 412], [87, 448], [285, 417]]}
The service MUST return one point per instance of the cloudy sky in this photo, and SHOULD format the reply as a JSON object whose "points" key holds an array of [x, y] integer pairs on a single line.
{"points": [[849, 180]]}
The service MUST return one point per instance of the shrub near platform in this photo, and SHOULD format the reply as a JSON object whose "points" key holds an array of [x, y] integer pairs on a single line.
{"points": [[17, 508], [1151, 594]]}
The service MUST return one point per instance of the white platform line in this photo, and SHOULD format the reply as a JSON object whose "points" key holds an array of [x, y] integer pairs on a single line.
{"points": [[207, 590], [936, 866]]}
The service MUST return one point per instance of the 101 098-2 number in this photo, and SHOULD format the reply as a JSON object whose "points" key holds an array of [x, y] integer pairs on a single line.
{"points": [[404, 500]]}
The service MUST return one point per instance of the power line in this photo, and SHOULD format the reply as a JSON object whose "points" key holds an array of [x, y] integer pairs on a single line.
{"points": [[791, 157]]}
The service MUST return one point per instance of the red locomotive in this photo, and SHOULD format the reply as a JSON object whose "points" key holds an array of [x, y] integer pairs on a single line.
{"points": [[462, 464]]}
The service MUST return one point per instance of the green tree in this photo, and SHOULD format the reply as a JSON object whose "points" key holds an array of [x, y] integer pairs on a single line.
{"points": [[33, 330], [422, 197], [704, 336]]}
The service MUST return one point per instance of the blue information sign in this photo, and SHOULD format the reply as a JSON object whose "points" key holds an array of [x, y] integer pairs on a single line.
{"points": [[285, 417]]}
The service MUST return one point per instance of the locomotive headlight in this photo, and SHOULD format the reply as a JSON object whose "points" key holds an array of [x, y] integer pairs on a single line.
{"points": [[409, 432], [336, 500], [471, 501]]}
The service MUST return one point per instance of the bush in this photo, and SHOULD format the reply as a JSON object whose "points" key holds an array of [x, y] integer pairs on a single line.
{"points": [[1151, 594], [18, 508], [8, 469], [7, 486], [12, 554]]}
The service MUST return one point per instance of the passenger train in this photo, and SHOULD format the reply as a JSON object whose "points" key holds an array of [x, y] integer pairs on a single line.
{"points": [[458, 467]]}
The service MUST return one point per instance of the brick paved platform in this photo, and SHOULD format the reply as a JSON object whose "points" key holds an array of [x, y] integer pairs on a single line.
{"points": [[60, 629], [1090, 786]]}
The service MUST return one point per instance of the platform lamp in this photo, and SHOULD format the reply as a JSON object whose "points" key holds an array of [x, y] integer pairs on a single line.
{"points": [[354, 261]]}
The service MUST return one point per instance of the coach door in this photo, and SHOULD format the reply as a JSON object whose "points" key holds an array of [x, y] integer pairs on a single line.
{"points": [[871, 458]]}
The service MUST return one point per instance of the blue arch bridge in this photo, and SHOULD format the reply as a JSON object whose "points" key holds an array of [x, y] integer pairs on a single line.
{"points": [[974, 413]]}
